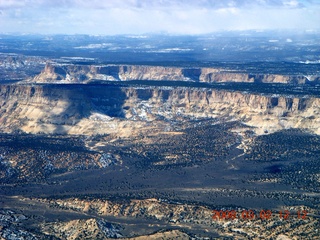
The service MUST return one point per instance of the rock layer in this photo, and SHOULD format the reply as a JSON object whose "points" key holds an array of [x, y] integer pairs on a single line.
{"points": [[67, 73], [97, 109]]}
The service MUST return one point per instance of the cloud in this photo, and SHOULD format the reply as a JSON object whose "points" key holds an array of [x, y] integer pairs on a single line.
{"points": [[145, 16], [151, 4]]}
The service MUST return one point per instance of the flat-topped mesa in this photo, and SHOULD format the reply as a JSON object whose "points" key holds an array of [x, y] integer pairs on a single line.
{"points": [[70, 73], [91, 109]]}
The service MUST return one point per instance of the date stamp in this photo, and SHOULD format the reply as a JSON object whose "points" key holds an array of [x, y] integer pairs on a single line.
{"points": [[263, 214]]}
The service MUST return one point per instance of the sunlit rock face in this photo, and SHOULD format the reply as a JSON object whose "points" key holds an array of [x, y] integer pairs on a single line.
{"points": [[70, 73], [95, 109]]}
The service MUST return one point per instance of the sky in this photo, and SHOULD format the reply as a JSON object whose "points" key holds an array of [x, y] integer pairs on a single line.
{"points": [[111, 17]]}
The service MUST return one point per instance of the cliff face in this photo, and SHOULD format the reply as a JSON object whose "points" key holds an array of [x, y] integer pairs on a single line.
{"points": [[97, 109], [82, 74]]}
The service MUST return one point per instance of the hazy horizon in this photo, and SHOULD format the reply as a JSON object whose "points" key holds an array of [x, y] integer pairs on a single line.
{"points": [[181, 17]]}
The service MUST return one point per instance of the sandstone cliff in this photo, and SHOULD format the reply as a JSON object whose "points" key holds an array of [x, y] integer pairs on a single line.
{"points": [[67, 73], [97, 109]]}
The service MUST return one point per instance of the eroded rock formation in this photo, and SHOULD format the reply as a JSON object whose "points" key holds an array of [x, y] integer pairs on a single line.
{"points": [[70, 73], [97, 109]]}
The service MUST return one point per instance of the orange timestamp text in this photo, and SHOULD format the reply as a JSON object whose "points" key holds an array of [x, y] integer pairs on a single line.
{"points": [[264, 214]]}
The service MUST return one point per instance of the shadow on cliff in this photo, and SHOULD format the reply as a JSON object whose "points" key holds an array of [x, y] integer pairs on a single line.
{"points": [[106, 100], [192, 73], [81, 100]]}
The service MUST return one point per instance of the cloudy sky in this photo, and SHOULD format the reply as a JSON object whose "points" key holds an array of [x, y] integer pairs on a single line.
{"points": [[109, 17]]}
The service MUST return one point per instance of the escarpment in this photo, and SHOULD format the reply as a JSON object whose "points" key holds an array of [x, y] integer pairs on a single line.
{"points": [[70, 73], [97, 109]]}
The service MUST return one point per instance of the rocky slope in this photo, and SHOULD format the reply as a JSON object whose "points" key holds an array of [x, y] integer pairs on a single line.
{"points": [[183, 215], [124, 111], [70, 73]]}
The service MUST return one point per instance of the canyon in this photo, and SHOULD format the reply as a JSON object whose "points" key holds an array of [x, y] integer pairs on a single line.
{"points": [[142, 152]]}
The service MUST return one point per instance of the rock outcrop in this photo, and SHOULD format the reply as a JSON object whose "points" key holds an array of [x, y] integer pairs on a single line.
{"points": [[70, 73], [98, 109], [184, 214]]}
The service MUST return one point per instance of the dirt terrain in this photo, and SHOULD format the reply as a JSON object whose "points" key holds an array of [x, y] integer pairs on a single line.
{"points": [[163, 182]]}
